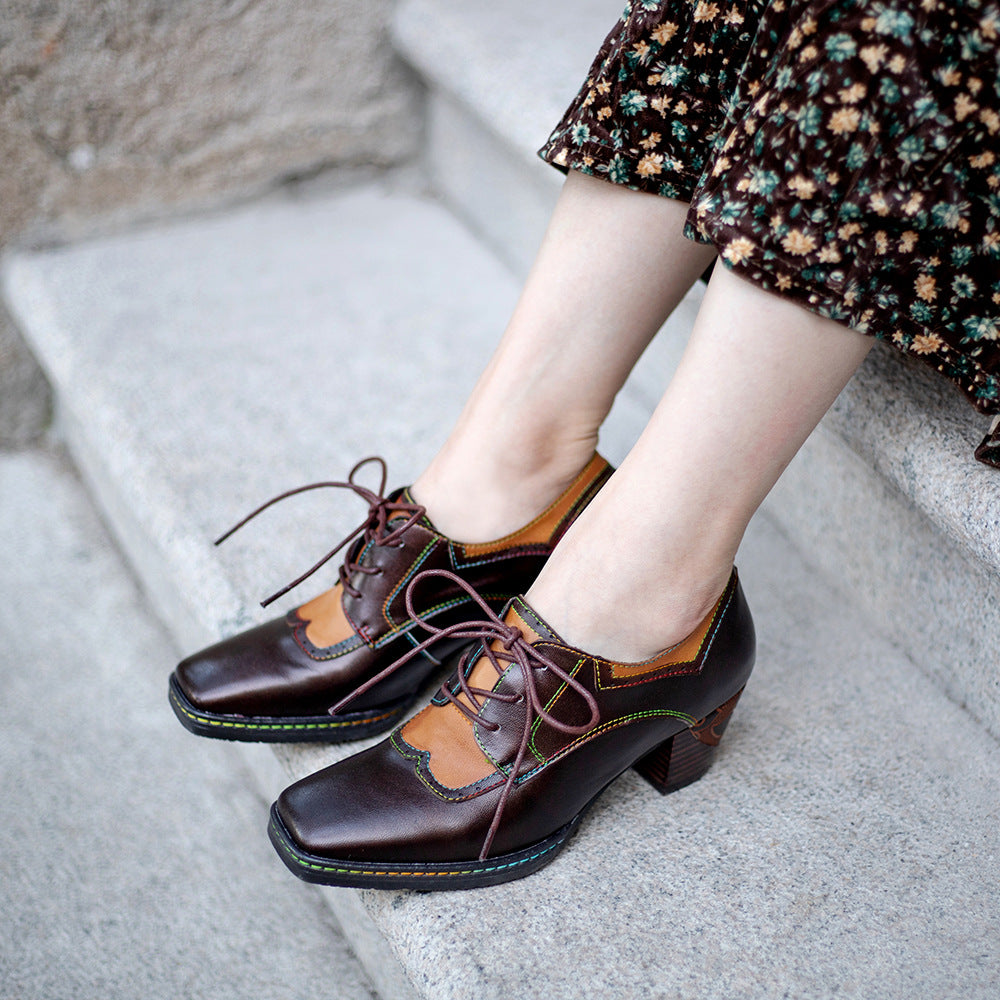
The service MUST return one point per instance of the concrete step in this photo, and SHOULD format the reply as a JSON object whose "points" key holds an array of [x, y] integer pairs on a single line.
{"points": [[499, 77], [134, 863], [846, 842], [885, 498]]}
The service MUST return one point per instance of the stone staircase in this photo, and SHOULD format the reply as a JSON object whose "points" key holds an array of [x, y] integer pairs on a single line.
{"points": [[846, 843]]}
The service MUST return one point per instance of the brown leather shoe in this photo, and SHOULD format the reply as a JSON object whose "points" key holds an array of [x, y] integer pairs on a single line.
{"points": [[489, 782], [277, 682]]}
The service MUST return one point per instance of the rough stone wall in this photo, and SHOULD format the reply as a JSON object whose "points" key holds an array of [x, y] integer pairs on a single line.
{"points": [[117, 110], [122, 106]]}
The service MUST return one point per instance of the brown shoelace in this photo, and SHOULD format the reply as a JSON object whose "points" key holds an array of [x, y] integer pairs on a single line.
{"points": [[514, 648], [375, 526]]}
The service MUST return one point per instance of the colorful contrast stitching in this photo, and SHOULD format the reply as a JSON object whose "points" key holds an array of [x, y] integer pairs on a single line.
{"points": [[332, 724], [421, 757], [539, 756], [625, 720], [703, 652], [290, 849], [428, 548], [531, 549], [405, 630], [328, 652]]}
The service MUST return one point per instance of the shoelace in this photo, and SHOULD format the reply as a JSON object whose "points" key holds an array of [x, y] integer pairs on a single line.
{"points": [[514, 648], [375, 526]]}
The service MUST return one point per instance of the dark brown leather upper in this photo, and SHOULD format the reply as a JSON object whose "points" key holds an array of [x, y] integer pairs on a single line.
{"points": [[276, 670], [387, 804]]}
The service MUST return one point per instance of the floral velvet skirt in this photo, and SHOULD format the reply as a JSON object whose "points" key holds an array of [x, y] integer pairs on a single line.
{"points": [[842, 153]]}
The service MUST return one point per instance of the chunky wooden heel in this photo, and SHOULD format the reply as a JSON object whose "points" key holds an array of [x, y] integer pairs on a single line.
{"points": [[688, 755]]}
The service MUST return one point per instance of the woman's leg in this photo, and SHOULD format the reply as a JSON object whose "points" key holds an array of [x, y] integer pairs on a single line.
{"points": [[612, 267], [650, 555]]}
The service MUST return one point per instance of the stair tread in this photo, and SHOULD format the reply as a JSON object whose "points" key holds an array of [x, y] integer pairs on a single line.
{"points": [[122, 876], [518, 64], [848, 834]]}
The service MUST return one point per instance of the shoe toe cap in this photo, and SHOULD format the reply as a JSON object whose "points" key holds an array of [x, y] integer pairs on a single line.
{"points": [[238, 674], [372, 807]]}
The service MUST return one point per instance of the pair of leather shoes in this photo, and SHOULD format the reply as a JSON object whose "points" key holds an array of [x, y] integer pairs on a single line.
{"points": [[490, 780]]}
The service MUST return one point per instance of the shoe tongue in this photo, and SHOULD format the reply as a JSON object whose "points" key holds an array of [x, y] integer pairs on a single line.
{"points": [[518, 612], [521, 615], [403, 495]]}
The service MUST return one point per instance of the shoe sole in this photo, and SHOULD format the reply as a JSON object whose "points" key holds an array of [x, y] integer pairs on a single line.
{"points": [[418, 875], [284, 729]]}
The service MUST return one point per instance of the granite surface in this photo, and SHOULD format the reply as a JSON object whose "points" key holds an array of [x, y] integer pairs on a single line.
{"points": [[846, 842], [112, 111], [915, 582], [25, 397], [134, 860]]}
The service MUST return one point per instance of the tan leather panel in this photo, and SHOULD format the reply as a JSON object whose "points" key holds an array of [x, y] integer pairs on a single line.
{"points": [[328, 624], [686, 651], [444, 732], [543, 527], [456, 758], [484, 675]]}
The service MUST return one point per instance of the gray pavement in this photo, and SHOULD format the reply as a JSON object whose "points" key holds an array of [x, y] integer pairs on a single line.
{"points": [[847, 843], [133, 857]]}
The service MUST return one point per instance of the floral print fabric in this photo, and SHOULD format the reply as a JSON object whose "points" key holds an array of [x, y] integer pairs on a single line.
{"points": [[843, 153]]}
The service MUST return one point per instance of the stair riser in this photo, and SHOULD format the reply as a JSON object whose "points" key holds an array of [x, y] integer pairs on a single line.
{"points": [[495, 189], [937, 601]]}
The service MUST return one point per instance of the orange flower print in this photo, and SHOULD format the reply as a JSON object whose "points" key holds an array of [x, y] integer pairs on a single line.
{"points": [[802, 186], [650, 164], [798, 243], [664, 33], [927, 287], [964, 106], [990, 119], [845, 120], [853, 94], [878, 203], [873, 56], [738, 250]]}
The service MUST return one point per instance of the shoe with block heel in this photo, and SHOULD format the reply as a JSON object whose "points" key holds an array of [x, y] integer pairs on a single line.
{"points": [[489, 782], [277, 682]]}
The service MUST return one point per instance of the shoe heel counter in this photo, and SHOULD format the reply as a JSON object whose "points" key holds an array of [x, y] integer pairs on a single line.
{"points": [[687, 756], [741, 635]]}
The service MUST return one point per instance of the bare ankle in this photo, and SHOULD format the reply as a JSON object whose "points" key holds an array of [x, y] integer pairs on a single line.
{"points": [[627, 621], [478, 495]]}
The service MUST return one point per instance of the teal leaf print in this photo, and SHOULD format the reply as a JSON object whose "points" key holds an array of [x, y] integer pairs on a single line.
{"points": [[632, 103]]}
